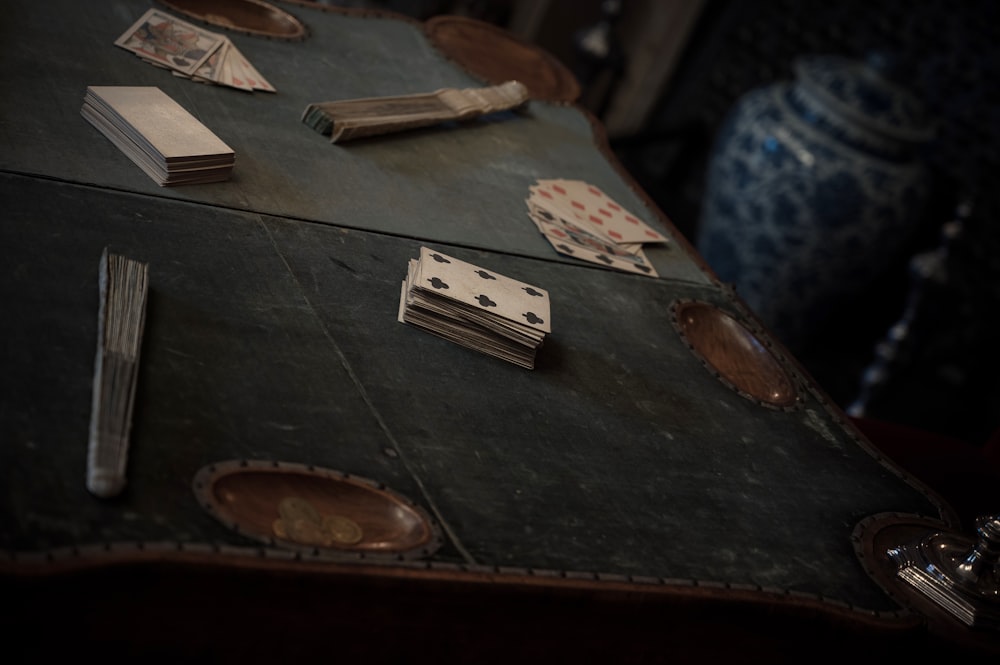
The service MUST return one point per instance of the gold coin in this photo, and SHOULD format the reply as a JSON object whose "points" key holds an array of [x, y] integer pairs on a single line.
{"points": [[307, 532], [342, 530], [278, 526], [293, 508]]}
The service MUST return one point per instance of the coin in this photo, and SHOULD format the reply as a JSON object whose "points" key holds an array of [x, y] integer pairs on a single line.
{"points": [[293, 508], [278, 526], [307, 532], [342, 530]]}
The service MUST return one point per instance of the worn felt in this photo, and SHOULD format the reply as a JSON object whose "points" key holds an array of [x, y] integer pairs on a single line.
{"points": [[462, 183], [269, 338]]}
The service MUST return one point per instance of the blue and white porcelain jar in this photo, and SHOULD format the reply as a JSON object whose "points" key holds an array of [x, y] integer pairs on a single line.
{"points": [[812, 187]]}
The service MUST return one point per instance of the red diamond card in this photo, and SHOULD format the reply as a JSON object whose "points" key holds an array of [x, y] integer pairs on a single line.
{"points": [[590, 205]]}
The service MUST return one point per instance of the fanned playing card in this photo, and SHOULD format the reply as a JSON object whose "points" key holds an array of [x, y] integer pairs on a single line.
{"points": [[593, 206], [191, 52], [211, 70], [579, 220], [475, 307], [572, 242], [250, 75], [169, 41]]}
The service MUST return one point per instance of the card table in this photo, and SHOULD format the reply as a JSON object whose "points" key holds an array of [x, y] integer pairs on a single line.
{"points": [[307, 476]]}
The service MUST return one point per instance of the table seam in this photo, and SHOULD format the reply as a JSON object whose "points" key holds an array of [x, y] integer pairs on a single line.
{"points": [[359, 386]]}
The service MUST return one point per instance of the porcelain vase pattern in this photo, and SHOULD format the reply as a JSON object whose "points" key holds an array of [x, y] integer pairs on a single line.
{"points": [[804, 207]]}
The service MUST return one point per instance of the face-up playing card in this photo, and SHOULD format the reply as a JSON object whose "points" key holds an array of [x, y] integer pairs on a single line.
{"points": [[579, 220], [582, 247], [169, 41], [638, 264], [211, 69], [232, 71], [250, 74], [483, 289], [190, 52], [546, 219], [588, 203]]}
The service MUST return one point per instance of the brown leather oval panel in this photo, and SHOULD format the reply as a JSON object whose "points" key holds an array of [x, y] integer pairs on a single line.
{"points": [[306, 507], [254, 17], [495, 55], [735, 353]]}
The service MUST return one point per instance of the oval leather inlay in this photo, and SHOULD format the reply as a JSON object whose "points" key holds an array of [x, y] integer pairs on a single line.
{"points": [[254, 17], [735, 353], [293, 505], [496, 56]]}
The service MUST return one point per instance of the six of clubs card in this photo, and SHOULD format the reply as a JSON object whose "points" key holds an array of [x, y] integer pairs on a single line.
{"points": [[475, 307]]}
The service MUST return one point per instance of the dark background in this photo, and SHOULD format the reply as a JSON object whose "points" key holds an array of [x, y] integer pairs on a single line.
{"points": [[942, 378]]}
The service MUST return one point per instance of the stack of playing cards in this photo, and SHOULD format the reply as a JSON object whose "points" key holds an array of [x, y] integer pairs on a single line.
{"points": [[580, 220], [474, 307], [156, 133], [191, 52]]}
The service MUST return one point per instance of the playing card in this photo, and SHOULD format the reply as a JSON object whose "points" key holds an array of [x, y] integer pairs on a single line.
{"points": [[158, 134], [232, 72], [211, 69], [546, 220], [474, 307], [568, 241], [542, 199], [609, 218], [166, 40], [250, 74], [638, 264], [483, 289]]}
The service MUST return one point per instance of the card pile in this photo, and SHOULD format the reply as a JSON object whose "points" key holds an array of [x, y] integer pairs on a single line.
{"points": [[474, 307], [580, 220], [191, 52], [158, 134]]}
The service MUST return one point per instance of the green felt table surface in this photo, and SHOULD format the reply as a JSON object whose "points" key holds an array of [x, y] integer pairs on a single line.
{"points": [[269, 339], [464, 184]]}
